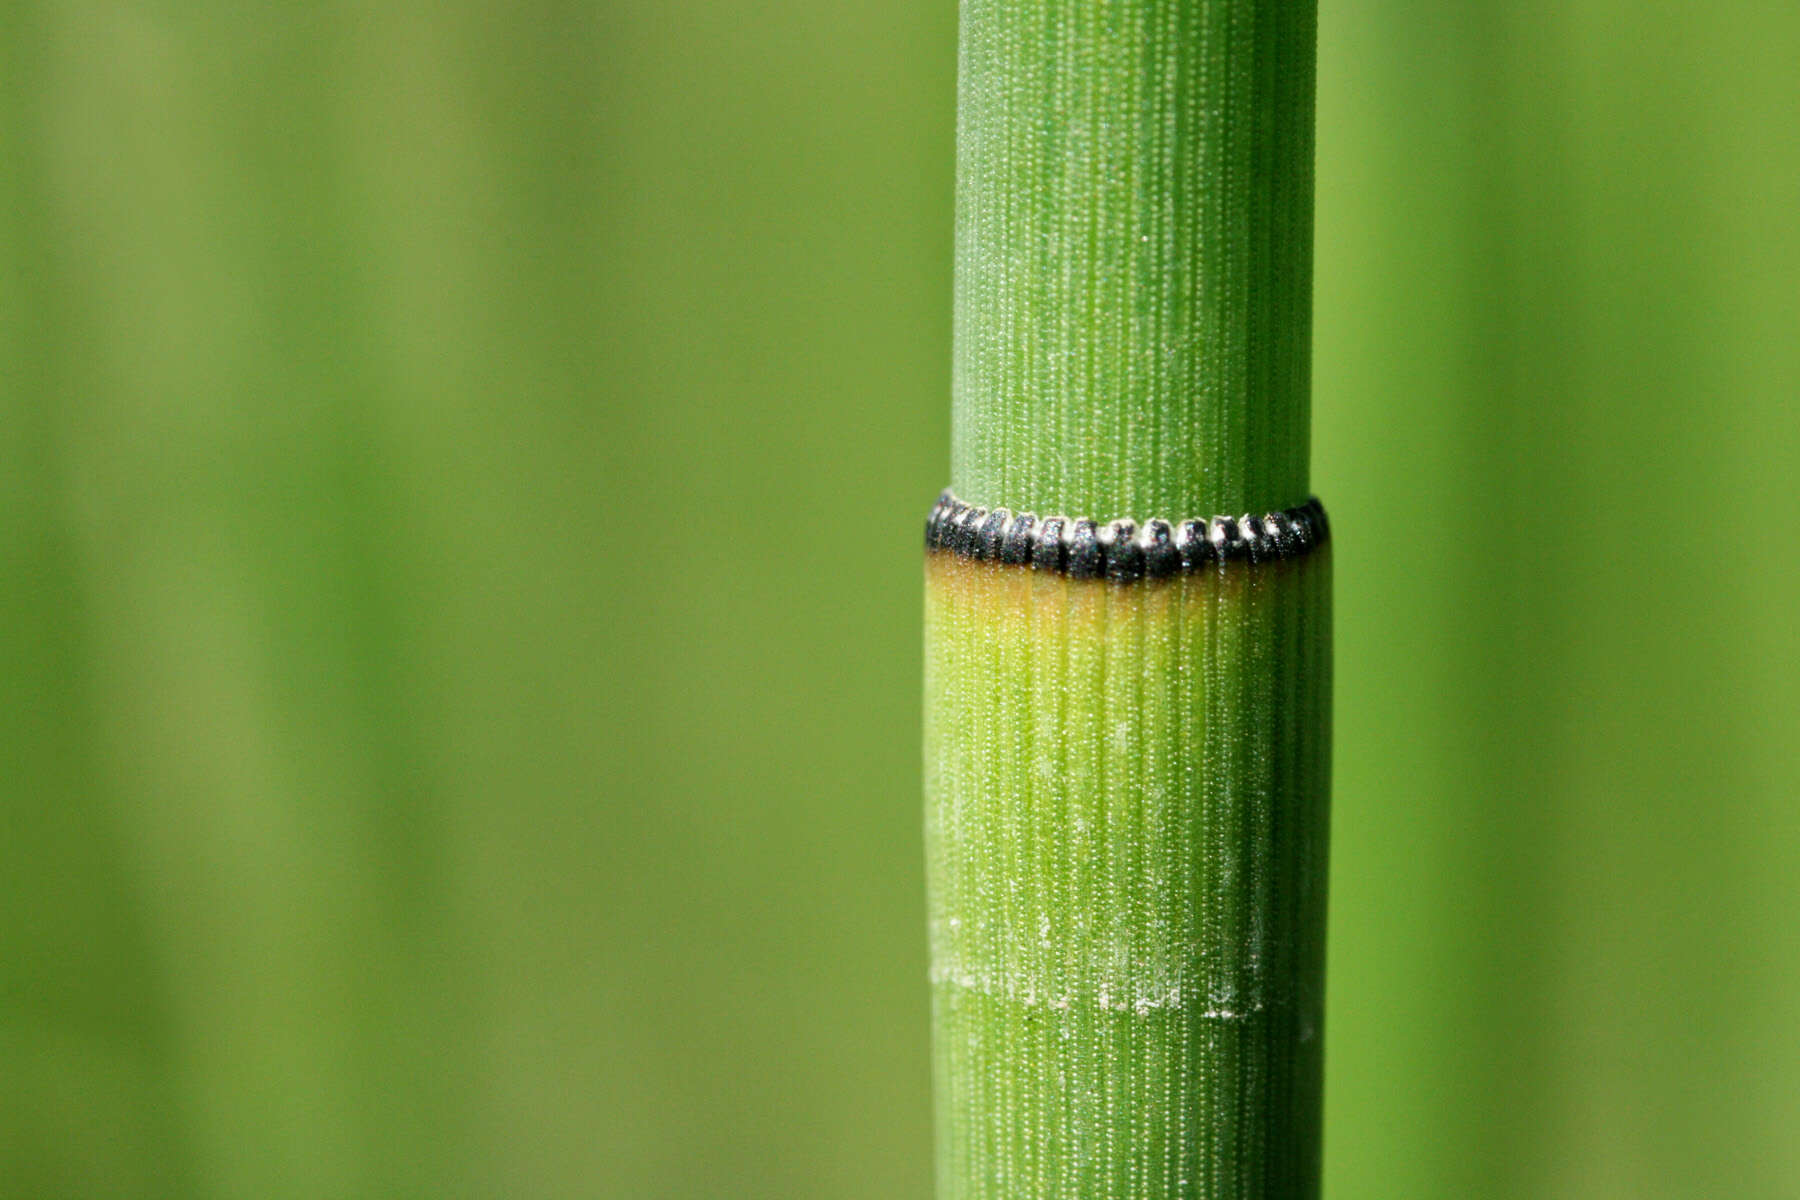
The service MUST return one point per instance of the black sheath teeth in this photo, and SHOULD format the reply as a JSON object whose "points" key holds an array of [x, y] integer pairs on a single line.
{"points": [[968, 531], [1084, 559], [1157, 544], [1047, 553], [934, 524], [1015, 550], [987, 542], [1120, 550], [1321, 524], [1260, 536], [1190, 542], [1275, 535], [1124, 557], [1227, 539]]}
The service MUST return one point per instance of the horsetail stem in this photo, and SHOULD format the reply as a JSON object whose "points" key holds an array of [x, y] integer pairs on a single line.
{"points": [[1127, 716]]}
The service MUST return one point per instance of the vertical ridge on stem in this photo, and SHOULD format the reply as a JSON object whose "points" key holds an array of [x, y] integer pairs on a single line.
{"points": [[1125, 731], [1134, 255], [1126, 830]]}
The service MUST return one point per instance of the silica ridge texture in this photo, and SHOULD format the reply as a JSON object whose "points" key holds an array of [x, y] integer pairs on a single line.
{"points": [[1134, 256], [1120, 549], [1127, 720], [1126, 792]]}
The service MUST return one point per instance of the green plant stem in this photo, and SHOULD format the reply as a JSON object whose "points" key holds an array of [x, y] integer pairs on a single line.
{"points": [[1127, 842], [1134, 256], [1126, 782]]}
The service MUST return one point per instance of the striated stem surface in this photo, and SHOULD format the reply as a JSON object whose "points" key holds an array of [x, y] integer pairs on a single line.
{"points": [[1134, 256], [1126, 840], [1127, 726]]}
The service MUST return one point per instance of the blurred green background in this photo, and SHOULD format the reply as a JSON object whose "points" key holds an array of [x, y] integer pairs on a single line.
{"points": [[420, 776]]}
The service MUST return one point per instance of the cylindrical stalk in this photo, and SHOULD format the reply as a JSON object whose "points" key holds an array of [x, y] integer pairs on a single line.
{"points": [[1127, 721]]}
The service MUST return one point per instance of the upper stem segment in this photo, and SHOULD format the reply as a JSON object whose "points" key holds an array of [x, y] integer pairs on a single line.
{"points": [[1134, 246]]}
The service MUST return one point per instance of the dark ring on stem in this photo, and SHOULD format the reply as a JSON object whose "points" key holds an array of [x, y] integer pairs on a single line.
{"points": [[1121, 550]]}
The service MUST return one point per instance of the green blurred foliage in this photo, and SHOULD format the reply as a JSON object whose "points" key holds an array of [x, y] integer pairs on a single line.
{"points": [[396, 805]]}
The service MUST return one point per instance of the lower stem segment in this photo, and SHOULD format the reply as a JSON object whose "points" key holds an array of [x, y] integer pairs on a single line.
{"points": [[1126, 806]]}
